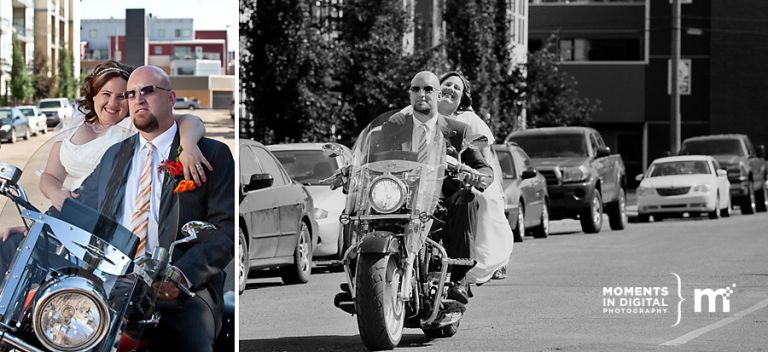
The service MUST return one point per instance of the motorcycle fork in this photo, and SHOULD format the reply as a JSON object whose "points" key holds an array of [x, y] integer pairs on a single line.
{"points": [[437, 300]]}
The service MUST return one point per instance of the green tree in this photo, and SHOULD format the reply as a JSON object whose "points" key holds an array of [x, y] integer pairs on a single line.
{"points": [[43, 85], [66, 78], [21, 83], [553, 98]]}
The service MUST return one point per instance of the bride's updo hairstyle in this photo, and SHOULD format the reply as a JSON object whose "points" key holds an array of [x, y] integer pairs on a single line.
{"points": [[92, 83]]}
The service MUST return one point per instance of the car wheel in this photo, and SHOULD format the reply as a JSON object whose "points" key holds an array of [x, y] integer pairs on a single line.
{"points": [[726, 212], [542, 231], [192, 107], [748, 203], [761, 199], [299, 272], [519, 231], [13, 137], [244, 262], [715, 214], [591, 218], [27, 134], [617, 212]]}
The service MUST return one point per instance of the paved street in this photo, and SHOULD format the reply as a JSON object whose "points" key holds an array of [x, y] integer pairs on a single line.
{"points": [[552, 299]]}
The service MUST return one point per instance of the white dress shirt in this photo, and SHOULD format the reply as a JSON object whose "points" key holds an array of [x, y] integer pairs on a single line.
{"points": [[162, 145], [431, 125]]}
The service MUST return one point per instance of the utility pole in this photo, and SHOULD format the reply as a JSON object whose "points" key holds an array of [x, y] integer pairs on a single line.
{"points": [[674, 125]]}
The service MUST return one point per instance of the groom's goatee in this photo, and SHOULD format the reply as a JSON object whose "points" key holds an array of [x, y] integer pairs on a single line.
{"points": [[146, 122]]}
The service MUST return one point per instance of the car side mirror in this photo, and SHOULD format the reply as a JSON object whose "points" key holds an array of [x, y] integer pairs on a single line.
{"points": [[258, 181], [639, 177], [760, 151], [477, 141], [333, 150], [603, 152], [722, 172], [528, 174]]}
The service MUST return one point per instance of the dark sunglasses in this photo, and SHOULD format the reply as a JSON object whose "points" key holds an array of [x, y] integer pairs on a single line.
{"points": [[426, 89], [143, 91]]}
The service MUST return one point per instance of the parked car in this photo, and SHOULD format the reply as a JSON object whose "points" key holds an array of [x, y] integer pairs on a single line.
{"points": [[232, 109], [13, 124], [278, 229], [745, 164], [37, 120], [306, 163], [55, 109], [583, 176], [186, 103], [683, 184], [525, 193]]}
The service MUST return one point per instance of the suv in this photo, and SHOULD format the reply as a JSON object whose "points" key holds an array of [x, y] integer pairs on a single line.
{"points": [[55, 110], [186, 103], [744, 163]]}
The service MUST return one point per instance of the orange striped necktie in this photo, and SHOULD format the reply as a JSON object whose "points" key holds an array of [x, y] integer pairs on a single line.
{"points": [[140, 218]]}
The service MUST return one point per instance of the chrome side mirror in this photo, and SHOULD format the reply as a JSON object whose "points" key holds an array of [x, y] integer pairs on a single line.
{"points": [[333, 150], [639, 177], [478, 141]]}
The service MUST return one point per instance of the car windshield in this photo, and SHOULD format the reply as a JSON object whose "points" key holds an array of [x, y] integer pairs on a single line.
{"points": [[27, 111], [49, 104], [552, 146], [686, 167], [306, 166], [507, 164], [722, 146]]}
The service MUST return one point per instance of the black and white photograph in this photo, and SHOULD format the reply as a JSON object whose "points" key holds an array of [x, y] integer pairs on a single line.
{"points": [[502, 175]]}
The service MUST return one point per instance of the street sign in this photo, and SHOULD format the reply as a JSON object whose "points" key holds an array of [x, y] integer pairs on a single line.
{"points": [[683, 76]]}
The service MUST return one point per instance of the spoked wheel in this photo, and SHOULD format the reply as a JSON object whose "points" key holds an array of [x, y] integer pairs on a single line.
{"points": [[542, 231], [299, 272], [242, 271], [592, 217], [519, 230], [380, 311]]}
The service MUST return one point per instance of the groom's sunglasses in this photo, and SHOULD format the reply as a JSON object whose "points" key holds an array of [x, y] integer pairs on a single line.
{"points": [[143, 91]]}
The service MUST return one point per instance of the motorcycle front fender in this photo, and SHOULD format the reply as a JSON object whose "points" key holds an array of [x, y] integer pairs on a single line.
{"points": [[381, 242]]}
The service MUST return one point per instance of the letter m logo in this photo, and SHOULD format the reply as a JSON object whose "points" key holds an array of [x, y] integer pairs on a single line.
{"points": [[711, 299]]}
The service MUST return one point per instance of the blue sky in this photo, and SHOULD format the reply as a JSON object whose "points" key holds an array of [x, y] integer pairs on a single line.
{"points": [[207, 14]]}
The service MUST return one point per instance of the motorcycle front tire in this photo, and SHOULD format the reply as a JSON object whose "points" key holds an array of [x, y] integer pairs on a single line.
{"points": [[380, 313]]}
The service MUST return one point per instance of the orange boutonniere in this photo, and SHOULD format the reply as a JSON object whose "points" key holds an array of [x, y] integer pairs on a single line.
{"points": [[173, 170]]}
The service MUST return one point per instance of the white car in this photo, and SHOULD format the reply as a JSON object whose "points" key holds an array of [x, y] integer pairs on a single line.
{"points": [[306, 163], [690, 184], [37, 120], [56, 110]]}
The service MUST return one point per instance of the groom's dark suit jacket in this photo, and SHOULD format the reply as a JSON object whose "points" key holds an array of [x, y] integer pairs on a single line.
{"points": [[202, 262]]}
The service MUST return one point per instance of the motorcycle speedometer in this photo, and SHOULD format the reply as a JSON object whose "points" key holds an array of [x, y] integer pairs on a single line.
{"points": [[71, 315], [387, 194]]}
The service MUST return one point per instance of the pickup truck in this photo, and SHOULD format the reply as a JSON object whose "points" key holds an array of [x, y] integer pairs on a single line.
{"points": [[745, 164], [583, 177]]}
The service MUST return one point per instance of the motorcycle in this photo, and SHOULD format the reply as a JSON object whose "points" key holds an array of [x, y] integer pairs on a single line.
{"points": [[396, 266], [74, 281]]}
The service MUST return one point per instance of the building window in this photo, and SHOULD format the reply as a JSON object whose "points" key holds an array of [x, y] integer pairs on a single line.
{"points": [[182, 52], [601, 49], [92, 33], [183, 33], [158, 50]]}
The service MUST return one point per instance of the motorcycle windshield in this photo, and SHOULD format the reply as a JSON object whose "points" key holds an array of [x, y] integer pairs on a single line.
{"points": [[387, 150], [83, 247]]}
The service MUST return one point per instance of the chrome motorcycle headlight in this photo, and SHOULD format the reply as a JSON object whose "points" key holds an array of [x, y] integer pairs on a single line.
{"points": [[71, 315], [387, 194]]}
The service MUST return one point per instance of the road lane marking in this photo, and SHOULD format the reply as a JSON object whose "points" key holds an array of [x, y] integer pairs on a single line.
{"points": [[701, 331]]}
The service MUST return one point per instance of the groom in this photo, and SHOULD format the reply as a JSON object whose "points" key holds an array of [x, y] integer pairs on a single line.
{"points": [[128, 186]]}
